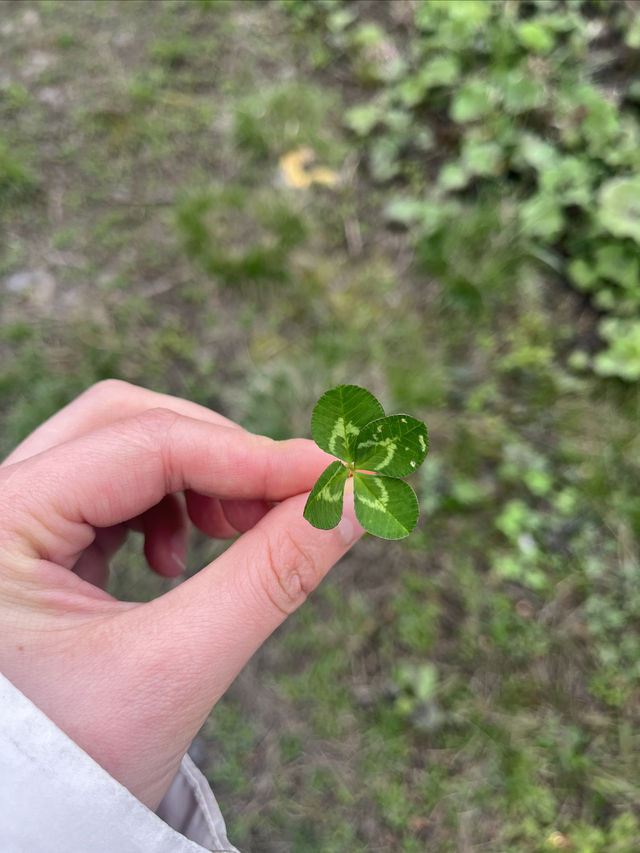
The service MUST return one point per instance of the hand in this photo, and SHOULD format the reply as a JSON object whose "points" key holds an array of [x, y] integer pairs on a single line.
{"points": [[133, 683]]}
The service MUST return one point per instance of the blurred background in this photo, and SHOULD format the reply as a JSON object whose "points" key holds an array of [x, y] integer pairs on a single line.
{"points": [[246, 203]]}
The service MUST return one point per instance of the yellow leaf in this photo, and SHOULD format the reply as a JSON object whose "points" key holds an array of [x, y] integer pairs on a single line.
{"points": [[298, 170], [323, 175], [559, 841]]}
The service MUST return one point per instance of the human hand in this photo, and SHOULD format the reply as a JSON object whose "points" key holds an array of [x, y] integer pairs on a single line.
{"points": [[133, 683]]}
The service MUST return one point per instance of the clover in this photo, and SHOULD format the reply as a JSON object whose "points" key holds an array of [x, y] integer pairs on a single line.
{"points": [[376, 451]]}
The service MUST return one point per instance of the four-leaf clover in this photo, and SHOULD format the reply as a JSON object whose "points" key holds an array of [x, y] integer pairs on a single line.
{"points": [[349, 423]]}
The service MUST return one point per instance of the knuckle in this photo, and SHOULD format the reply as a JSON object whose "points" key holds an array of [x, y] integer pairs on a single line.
{"points": [[291, 572], [108, 389], [156, 422], [150, 431]]}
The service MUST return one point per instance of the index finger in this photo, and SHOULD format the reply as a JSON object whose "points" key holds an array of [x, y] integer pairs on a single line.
{"points": [[115, 473], [101, 404]]}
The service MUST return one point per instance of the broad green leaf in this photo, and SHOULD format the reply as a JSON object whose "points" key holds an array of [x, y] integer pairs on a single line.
{"points": [[614, 261], [541, 216], [619, 207], [339, 416], [473, 13], [583, 274], [569, 181], [363, 118], [384, 506], [535, 37], [439, 71], [393, 446], [482, 158], [404, 211], [537, 152], [472, 101], [453, 176], [632, 36], [520, 92], [340, 19], [384, 155], [368, 34], [622, 358], [324, 505]]}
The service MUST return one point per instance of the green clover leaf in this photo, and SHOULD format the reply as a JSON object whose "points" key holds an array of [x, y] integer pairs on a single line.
{"points": [[324, 505], [385, 506], [339, 416], [349, 423], [393, 446]]}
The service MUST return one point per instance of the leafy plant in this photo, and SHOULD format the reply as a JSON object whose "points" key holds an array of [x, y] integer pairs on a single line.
{"points": [[373, 450], [495, 115], [622, 358], [620, 207]]}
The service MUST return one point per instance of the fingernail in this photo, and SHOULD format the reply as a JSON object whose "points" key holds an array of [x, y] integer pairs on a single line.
{"points": [[178, 561], [349, 528], [178, 551]]}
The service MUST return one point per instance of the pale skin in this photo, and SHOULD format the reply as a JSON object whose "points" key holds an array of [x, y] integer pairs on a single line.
{"points": [[133, 683]]}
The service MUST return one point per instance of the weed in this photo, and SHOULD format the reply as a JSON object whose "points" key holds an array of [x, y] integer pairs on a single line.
{"points": [[349, 423]]}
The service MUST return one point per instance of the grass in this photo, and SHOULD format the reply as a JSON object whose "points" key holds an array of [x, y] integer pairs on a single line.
{"points": [[476, 686]]}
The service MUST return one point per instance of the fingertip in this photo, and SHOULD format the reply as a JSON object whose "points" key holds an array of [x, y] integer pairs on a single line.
{"points": [[349, 528], [178, 552], [166, 554], [165, 529], [208, 516], [243, 515]]}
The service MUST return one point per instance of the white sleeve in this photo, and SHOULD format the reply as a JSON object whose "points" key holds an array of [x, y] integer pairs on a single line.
{"points": [[56, 798]]}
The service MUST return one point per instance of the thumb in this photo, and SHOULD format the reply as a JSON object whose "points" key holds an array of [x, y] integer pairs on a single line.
{"points": [[214, 622], [198, 636]]}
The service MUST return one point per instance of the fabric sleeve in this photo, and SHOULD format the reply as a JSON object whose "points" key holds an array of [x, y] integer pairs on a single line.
{"points": [[56, 798]]}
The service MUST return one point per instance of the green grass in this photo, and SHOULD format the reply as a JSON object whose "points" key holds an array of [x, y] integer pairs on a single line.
{"points": [[477, 685]]}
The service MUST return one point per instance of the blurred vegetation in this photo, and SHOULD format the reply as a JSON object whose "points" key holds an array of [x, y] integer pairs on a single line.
{"points": [[520, 115], [476, 263]]}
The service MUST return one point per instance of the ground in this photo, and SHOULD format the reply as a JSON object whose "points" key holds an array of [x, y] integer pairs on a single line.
{"points": [[471, 688]]}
